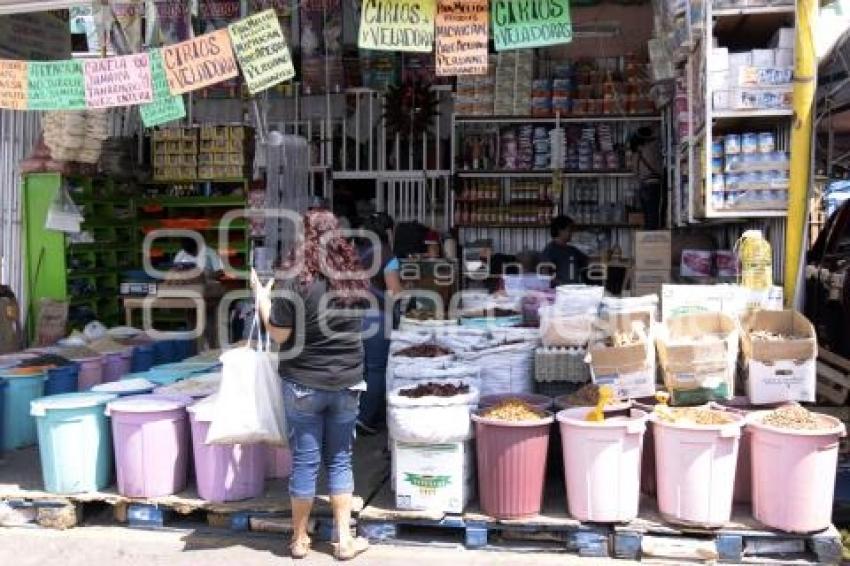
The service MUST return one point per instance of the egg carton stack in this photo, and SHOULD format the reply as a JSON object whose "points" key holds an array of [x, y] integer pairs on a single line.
{"points": [[76, 136], [514, 75]]}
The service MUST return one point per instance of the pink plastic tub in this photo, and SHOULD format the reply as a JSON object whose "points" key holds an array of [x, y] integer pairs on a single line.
{"points": [[542, 402], [116, 365], [224, 472], [91, 373], [511, 465], [794, 474], [695, 470], [278, 462], [602, 464], [151, 438]]}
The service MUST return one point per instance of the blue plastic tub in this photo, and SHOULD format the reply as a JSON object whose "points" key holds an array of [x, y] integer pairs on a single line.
{"points": [[126, 387], [74, 441], [143, 358], [164, 352], [3, 385], [62, 379], [18, 425], [184, 348]]}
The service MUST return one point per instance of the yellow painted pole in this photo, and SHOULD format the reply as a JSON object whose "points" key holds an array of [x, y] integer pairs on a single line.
{"points": [[805, 69]]}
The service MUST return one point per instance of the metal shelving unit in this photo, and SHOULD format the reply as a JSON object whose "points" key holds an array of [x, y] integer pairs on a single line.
{"points": [[695, 152]]}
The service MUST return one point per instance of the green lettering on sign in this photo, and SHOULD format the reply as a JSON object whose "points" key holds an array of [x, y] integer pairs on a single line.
{"points": [[56, 85], [530, 23], [165, 106]]}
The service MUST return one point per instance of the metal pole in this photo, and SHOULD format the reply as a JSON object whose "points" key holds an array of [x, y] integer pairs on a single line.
{"points": [[805, 70]]}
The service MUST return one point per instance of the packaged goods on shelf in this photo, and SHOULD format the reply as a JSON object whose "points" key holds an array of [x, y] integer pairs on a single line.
{"points": [[696, 263], [561, 364], [780, 351], [514, 75], [434, 477], [698, 354], [748, 173]]}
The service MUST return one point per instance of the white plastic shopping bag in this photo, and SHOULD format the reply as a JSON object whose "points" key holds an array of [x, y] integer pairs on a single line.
{"points": [[249, 407]]}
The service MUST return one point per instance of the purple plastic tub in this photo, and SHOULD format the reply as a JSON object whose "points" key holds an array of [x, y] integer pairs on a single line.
{"points": [[278, 462], [151, 439], [511, 465], [91, 373], [224, 472], [116, 365], [542, 402]]}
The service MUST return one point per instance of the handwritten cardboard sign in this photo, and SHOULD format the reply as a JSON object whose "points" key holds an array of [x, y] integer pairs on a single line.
{"points": [[165, 107], [530, 23], [397, 25], [56, 85], [262, 52], [13, 84], [200, 62], [118, 81], [461, 42]]}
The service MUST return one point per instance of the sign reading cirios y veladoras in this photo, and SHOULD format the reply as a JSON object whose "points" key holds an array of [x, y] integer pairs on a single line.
{"points": [[530, 23], [200, 62], [397, 25]]}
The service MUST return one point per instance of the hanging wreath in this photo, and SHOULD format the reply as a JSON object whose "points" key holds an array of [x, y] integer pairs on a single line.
{"points": [[410, 108]]}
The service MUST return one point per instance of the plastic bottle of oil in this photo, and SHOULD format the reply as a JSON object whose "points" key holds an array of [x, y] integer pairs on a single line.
{"points": [[756, 258]]}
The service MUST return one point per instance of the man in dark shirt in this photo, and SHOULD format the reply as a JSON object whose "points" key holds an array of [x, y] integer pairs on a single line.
{"points": [[570, 264]]}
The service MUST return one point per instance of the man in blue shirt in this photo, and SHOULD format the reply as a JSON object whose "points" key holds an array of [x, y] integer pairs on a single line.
{"points": [[570, 264]]}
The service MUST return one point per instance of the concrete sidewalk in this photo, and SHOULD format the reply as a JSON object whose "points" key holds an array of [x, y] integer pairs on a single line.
{"points": [[121, 546]]}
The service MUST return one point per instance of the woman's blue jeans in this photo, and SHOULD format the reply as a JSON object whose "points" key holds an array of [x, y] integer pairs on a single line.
{"points": [[376, 349], [321, 429]]}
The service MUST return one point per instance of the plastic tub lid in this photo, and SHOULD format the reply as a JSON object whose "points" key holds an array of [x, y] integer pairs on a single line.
{"points": [[39, 407], [125, 386], [137, 375], [148, 403], [204, 409]]}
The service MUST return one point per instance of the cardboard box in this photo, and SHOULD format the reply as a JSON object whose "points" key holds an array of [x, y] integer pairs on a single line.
{"points": [[696, 263], [678, 300], [783, 39], [434, 477], [763, 58], [719, 80], [721, 99], [653, 250], [780, 370], [698, 371], [630, 370], [744, 300], [784, 57], [649, 281], [744, 59], [719, 59]]}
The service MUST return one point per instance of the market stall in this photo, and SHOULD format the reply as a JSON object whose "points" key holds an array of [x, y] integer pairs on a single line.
{"points": [[590, 341]]}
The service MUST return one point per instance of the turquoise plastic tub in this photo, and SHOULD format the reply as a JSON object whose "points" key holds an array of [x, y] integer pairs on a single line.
{"points": [[74, 441], [3, 385], [18, 425]]}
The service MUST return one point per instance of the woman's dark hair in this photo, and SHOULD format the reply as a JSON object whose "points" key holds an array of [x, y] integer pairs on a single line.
{"points": [[410, 239], [640, 137], [379, 223], [190, 246], [560, 223]]}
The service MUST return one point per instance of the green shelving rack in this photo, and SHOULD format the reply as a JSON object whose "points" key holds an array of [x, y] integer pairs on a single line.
{"points": [[56, 267]]}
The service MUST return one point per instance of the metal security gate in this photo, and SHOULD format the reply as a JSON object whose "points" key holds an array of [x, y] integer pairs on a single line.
{"points": [[415, 198]]}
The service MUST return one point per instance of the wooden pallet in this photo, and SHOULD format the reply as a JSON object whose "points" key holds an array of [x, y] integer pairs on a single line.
{"points": [[833, 375], [743, 539], [380, 521]]}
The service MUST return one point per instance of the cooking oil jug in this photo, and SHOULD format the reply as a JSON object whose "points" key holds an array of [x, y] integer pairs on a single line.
{"points": [[756, 258]]}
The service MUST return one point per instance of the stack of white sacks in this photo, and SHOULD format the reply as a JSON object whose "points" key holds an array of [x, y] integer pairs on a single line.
{"points": [[431, 436]]}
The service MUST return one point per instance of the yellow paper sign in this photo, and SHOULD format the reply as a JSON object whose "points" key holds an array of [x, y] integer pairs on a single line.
{"points": [[262, 52], [200, 62], [461, 43], [13, 84], [397, 25]]}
